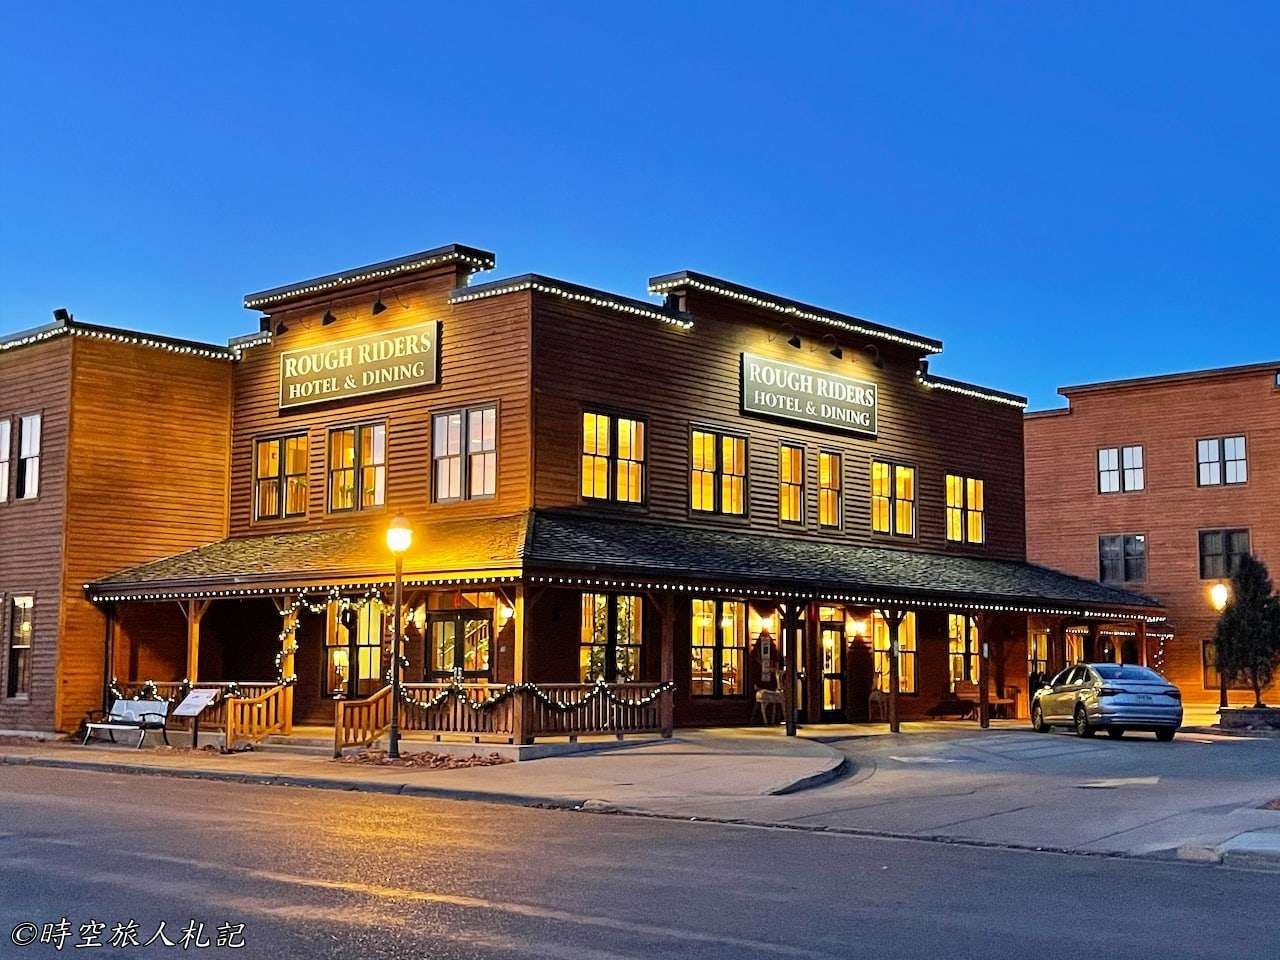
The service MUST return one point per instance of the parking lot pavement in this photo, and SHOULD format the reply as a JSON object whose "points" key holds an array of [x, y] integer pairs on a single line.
{"points": [[1055, 791]]}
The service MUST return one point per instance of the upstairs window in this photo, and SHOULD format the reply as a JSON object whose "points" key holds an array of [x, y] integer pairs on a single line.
{"points": [[357, 467], [893, 498], [1221, 552], [464, 454], [1121, 470], [21, 628], [718, 473], [28, 485], [791, 484], [280, 477], [613, 458], [1122, 558], [966, 509], [830, 492], [1221, 460], [6, 442]]}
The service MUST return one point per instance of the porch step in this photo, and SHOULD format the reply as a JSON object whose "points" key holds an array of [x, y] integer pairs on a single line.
{"points": [[297, 745]]}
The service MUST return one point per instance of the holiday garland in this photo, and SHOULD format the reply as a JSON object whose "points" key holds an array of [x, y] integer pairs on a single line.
{"points": [[458, 691]]}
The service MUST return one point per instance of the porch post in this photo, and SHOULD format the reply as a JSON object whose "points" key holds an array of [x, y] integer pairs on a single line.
{"points": [[984, 668], [667, 621], [1091, 652], [108, 654], [519, 668], [789, 624], [289, 628], [893, 618], [1058, 645], [1140, 630], [195, 612]]}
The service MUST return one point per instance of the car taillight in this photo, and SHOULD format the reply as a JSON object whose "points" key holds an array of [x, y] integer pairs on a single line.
{"points": [[1109, 691]]}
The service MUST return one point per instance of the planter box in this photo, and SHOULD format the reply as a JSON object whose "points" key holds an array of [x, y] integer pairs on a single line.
{"points": [[1249, 718]]}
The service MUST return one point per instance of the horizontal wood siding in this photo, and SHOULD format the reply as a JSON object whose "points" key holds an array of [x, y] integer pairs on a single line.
{"points": [[484, 358], [148, 478], [676, 379], [1066, 514], [34, 378]]}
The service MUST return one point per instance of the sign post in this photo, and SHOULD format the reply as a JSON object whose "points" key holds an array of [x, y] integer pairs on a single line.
{"points": [[192, 706]]}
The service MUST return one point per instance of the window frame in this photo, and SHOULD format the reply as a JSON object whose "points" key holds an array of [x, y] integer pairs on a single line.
{"points": [[893, 498], [357, 466], [9, 621], [19, 459], [6, 458], [465, 453], [613, 460], [718, 474], [1225, 533], [282, 476], [838, 488], [966, 510], [1121, 470], [718, 648], [1125, 539], [878, 653], [611, 645], [1222, 461], [801, 487]]}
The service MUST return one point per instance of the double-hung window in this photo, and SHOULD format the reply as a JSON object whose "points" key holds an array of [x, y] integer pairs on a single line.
{"points": [[6, 442], [962, 648], [893, 498], [464, 454], [613, 458], [280, 477], [21, 627], [1221, 460], [28, 485], [881, 645], [610, 644], [1121, 469], [1221, 552], [791, 484], [357, 467], [830, 489], [966, 509], [1122, 558], [718, 649], [717, 473]]}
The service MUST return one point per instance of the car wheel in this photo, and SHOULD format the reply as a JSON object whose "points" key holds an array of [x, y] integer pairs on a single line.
{"points": [[1037, 720], [1082, 723], [1115, 733], [1166, 734]]}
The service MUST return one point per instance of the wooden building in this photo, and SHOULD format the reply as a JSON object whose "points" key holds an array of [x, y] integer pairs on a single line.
{"points": [[627, 513], [1158, 484]]}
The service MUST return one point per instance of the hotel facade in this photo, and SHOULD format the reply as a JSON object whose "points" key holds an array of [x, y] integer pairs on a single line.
{"points": [[628, 514], [1159, 485]]}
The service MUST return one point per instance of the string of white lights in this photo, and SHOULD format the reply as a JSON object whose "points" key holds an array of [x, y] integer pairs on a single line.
{"points": [[480, 263], [976, 392], [594, 299]]}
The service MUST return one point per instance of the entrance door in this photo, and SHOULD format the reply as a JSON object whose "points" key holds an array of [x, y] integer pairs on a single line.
{"points": [[461, 644], [354, 663], [831, 643]]}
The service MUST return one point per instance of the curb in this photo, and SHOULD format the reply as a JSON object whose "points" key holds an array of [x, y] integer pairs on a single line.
{"points": [[1246, 734], [836, 770]]}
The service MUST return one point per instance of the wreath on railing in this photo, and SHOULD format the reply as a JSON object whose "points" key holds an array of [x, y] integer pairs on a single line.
{"points": [[457, 691]]}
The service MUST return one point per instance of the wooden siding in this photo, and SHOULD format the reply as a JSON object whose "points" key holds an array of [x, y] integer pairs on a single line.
{"points": [[484, 358], [1066, 514], [35, 378], [148, 478], [586, 357]]}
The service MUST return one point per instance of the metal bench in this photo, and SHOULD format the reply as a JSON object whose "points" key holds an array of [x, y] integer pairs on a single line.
{"points": [[138, 716]]}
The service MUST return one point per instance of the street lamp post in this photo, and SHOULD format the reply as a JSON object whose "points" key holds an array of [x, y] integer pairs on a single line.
{"points": [[399, 537], [1219, 597]]}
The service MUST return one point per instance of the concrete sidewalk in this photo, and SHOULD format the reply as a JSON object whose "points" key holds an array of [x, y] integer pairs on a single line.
{"points": [[706, 764]]}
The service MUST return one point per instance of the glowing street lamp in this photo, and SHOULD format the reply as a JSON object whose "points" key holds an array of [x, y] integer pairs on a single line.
{"points": [[1219, 597], [399, 539]]}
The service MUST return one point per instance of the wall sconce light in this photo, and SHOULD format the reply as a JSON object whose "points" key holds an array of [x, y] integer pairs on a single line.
{"points": [[328, 318], [281, 328], [378, 305], [794, 339], [835, 350], [873, 352], [505, 613], [858, 628]]}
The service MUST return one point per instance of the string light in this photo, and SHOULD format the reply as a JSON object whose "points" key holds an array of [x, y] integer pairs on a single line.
{"points": [[458, 691], [950, 386], [255, 300], [578, 294], [72, 329], [660, 285]]}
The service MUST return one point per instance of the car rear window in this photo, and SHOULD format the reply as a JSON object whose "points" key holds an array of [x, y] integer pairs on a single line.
{"points": [[1127, 671]]}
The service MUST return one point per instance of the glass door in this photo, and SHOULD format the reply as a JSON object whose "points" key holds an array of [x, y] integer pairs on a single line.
{"points": [[461, 644], [354, 661], [831, 641]]}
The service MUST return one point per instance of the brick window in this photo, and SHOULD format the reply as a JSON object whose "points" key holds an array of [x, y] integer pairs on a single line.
{"points": [[1221, 460], [1122, 558], [1221, 552], [1121, 469]]}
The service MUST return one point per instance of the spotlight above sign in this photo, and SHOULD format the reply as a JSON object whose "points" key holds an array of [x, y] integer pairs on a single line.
{"points": [[775, 389]]}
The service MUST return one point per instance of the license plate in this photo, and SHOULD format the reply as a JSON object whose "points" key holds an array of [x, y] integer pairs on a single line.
{"points": [[1142, 697]]}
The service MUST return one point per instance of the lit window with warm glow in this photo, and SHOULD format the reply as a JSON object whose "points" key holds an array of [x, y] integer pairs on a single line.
{"points": [[718, 649], [830, 492], [611, 638], [893, 498], [966, 510], [613, 458], [1038, 652], [718, 473], [464, 454], [357, 467], [962, 648], [880, 646], [21, 630], [790, 484]]}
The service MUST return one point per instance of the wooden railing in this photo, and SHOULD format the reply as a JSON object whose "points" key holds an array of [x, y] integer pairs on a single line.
{"points": [[213, 716], [551, 710], [360, 722], [249, 719]]}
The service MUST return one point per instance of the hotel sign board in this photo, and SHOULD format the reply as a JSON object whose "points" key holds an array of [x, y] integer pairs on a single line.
{"points": [[774, 388], [345, 369]]}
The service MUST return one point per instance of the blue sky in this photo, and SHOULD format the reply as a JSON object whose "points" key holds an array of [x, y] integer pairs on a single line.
{"points": [[1060, 193]]}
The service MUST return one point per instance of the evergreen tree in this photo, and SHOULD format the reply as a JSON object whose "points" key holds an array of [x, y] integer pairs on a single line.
{"points": [[1248, 632]]}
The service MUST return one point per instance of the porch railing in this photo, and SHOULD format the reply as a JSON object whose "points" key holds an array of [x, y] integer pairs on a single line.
{"points": [[495, 713], [249, 719], [213, 716]]}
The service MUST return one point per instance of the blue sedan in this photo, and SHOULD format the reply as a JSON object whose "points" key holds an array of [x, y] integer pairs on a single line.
{"points": [[1108, 696]]}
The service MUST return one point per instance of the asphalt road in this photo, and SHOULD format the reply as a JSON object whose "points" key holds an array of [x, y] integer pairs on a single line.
{"points": [[329, 874]]}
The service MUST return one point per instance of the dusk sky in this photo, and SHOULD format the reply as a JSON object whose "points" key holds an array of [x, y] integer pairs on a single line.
{"points": [[1060, 193]]}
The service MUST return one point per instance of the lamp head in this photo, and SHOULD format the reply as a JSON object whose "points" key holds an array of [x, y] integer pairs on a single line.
{"points": [[399, 535], [378, 306], [1219, 596]]}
